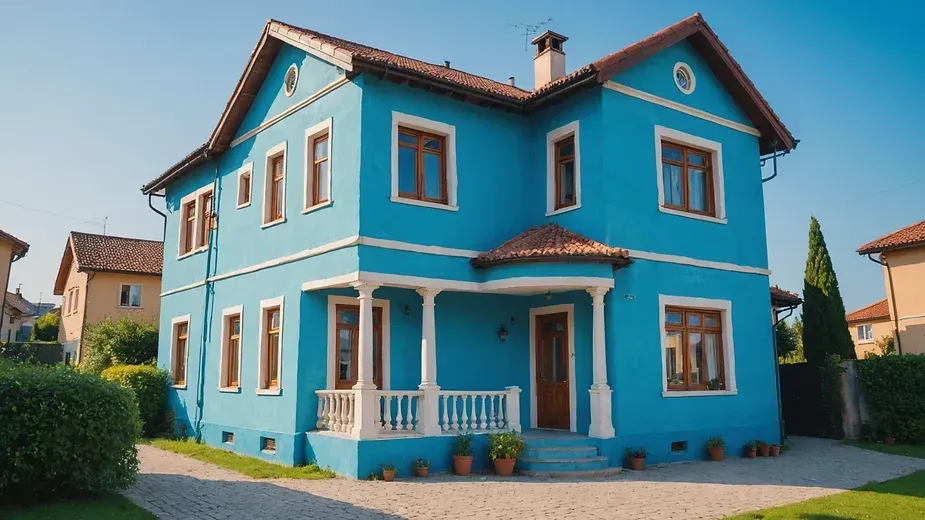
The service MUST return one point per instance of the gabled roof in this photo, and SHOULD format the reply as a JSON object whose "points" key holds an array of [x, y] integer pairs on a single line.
{"points": [[19, 304], [355, 58], [879, 310], [782, 298], [20, 247], [101, 253], [551, 243], [908, 236]]}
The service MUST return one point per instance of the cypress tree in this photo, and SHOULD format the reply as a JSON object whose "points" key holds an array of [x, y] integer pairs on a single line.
{"points": [[825, 329]]}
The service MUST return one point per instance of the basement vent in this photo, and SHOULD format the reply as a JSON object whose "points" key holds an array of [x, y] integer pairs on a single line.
{"points": [[228, 437], [678, 446], [268, 444]]}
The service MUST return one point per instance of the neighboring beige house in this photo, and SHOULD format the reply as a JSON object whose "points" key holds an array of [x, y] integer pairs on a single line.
{"points": [[18, 312], [867, 325], [11, 250], [106, 277], [901, 255]]}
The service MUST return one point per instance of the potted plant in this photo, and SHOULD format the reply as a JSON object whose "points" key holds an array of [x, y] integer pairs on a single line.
{"points": [[751, 449], [764, 449], [388, 472], [637, 458], [462, 455], [503, 449], [421, 467], [717, 448], [774, 450]]}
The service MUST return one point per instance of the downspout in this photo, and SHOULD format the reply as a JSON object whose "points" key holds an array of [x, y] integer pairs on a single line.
{"points": [[207, 301], [159, 212], [774, 156], [780, 405], [889, 277]]}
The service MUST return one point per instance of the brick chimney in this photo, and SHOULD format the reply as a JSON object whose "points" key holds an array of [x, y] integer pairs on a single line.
{"points": [[549, 63]]}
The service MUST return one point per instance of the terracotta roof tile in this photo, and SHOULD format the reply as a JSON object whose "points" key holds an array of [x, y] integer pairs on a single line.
{"points": [[118, 254], [783, 298], [20, 304], [875, 311], [551, 242], [907, 236]]}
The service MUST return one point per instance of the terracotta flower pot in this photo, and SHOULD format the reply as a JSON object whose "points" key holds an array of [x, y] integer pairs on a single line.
{"points": [[504, 467], [775, 451], [421, 472], [889, 441], [639, 464], [388, 475], [717, 454], [751, 454], [765, 451], [462, 465]]}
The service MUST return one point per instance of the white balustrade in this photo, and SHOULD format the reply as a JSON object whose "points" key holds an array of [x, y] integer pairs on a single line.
{"points": [[398, 410], [475, 411], [335, 410]]}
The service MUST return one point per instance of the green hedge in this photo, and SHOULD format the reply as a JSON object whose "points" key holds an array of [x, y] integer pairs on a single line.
{"points": [[894, 388], [48, 353], [63, 433], [149, 385]]}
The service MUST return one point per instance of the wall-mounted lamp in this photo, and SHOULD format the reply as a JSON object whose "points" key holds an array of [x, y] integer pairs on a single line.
{"points": [[502, 334], [407, 310], [548, 295]]}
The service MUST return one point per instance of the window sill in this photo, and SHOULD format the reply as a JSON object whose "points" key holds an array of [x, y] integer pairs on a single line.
{"points": [[178, 387], [866, 342], [694, 216], [563, 210], [246, 204], [698, 393], [424, 203], [316, 207], [274, 223], [129, 307], [268, 452], [230, 389], [269, 391], [193, 252]]}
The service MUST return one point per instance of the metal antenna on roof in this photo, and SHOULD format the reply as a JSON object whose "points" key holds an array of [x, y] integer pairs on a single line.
{"points": [[529, 29]]}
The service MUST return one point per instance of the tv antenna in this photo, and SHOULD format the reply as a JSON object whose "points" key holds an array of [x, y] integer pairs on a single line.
{"points": [[529, 29]]}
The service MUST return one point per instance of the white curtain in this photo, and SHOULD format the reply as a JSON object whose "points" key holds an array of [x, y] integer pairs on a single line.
{"points": [[712, 356]]}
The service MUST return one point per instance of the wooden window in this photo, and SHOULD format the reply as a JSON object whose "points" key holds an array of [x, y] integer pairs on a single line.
{"points": [[181, 344], [244, 189], [321, 169], [421, 166], [565, 172], [694, 349], [232, 352], [205, 218], [189, 226], [277, 181], [271, 358], [347, 346], [687, 179]]}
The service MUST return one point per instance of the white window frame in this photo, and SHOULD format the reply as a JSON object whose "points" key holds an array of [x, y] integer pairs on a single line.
{"points": [[552, 137], [174, 323], [196, 198], [247, 169], [326, 126], [716, 165], [140, 296], [222, 380], [262, 351], [333, 302], [433, 127], [690, 74], [868, 327], [725, 309], [267, 183]]}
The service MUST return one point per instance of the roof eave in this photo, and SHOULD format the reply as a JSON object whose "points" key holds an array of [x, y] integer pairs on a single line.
{"points": [[875, 249], [618, 262]]}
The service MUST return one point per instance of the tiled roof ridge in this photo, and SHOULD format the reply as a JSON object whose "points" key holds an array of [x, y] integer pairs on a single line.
{"points": [[550, 241]]}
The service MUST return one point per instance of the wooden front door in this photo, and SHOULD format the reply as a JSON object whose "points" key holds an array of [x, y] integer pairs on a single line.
{"points": [[552, 369]]}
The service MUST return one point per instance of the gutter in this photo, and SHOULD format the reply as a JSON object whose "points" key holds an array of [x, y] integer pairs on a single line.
{"points": [[159, 212], [889, 276]]}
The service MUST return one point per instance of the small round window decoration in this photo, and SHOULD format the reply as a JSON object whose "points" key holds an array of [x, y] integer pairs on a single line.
{"points": [[684, 78], [290, 80]]}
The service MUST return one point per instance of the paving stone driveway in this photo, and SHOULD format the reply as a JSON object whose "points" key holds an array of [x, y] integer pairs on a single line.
{"points": [[175, 487]]}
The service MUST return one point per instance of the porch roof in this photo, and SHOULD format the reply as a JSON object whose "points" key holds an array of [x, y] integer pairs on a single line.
{"points": [[552, 243]]}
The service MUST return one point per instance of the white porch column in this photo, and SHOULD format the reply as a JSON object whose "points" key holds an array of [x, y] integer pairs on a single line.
{"points": [[601, 411], [430, 407], [364, 417]]}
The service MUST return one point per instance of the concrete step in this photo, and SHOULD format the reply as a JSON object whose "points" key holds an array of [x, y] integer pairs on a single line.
{"points": [[594, 473], [560, 452], [559, 442], [570, 464]]}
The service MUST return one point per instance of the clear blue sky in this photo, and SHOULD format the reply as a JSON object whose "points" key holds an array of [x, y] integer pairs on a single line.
{"points": [[97, 98]]}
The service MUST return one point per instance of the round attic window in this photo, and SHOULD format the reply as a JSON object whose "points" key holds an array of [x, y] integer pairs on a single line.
{"points": [[290, 80], [684, 78]]}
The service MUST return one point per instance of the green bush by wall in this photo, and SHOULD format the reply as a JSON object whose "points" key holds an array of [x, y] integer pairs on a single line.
{"points": [[123, 342], [63, 433], [48, 353], [894, 388], [149, 385]]}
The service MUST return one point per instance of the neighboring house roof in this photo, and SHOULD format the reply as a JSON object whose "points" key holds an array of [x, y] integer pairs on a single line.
{"points": [[19, 246], [109, 254], [19, 304], [876, 311], [908, 236], [551, 243], [357, 58], [782, 298]]}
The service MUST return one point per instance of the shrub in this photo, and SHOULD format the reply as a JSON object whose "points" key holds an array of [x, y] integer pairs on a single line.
{"points": [[507, 445], [47, 353], [123, 342], [46, 327], [149, 385], [463, 447], [63, 433], [894, 387], [830, 395]]}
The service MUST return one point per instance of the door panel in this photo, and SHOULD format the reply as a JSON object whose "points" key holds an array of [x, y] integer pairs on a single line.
{"points": [[552, 371]]}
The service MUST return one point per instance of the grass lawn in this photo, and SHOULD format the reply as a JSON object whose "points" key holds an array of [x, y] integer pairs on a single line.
{"points": [[249, 466], [898, 499], [896, 449], [110, 507]]}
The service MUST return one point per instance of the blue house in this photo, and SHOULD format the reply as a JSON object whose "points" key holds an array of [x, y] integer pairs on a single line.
{"points": [[372, 254]]}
